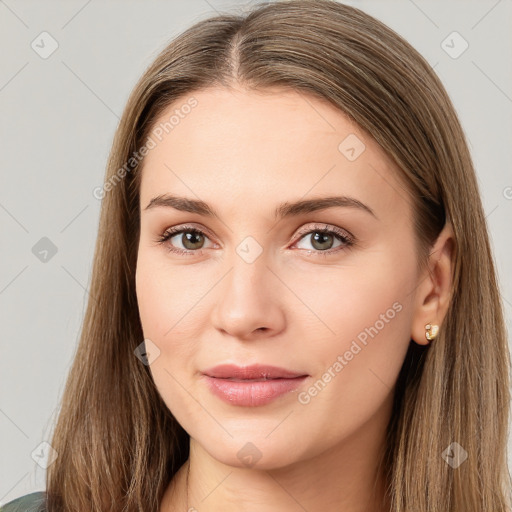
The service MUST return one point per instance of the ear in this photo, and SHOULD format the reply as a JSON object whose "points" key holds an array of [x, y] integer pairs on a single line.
{"points": [[434, 290]]}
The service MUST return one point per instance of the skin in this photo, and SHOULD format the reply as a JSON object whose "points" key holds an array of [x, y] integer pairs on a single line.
{"points": [[244, 153]]}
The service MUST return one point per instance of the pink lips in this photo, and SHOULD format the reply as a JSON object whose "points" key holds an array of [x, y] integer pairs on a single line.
{"points": [[253, 385]]}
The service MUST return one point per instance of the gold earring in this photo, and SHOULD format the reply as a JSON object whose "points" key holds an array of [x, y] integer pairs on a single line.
{"points": [[431, 331]]}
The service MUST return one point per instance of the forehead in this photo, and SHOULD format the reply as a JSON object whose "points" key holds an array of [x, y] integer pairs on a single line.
{"points": [[257, 147]]}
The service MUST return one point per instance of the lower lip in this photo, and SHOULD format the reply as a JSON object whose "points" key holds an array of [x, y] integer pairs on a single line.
{"points": [[252, 393]]}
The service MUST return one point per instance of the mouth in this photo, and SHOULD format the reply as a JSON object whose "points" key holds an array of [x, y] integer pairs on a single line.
{"points": [[251, 386], [252, 372]]}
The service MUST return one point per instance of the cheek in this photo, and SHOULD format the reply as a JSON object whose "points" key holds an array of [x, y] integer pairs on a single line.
{"points": [[356, 366], [339, 305], [163, 305], [168, 297], [171, 302], [361, 326]]}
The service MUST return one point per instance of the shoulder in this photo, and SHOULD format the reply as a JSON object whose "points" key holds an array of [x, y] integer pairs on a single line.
{"points": [[33, 502]]}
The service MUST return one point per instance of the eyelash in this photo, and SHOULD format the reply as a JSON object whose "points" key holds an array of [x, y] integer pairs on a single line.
{"points": [[343, 236]]}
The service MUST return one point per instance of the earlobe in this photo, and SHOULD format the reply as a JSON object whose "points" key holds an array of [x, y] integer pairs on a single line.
{"points": [[434, 292]]}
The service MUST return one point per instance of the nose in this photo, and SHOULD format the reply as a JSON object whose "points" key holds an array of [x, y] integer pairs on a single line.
{"points": [[248, 302]]}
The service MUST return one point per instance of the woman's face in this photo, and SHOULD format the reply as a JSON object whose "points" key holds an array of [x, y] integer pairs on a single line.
{"points": [[261, 284]]}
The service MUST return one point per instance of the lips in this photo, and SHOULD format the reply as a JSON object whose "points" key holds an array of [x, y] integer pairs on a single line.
{"points": [[251, 386]]}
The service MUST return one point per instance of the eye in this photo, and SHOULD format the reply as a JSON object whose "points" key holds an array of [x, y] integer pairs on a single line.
{"points": [[324, 237], [190, 237]]}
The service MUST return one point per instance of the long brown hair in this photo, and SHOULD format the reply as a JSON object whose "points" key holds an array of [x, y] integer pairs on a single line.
{"points": [[119, 446]]}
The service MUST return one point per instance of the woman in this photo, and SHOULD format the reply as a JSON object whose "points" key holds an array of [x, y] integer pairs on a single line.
{"points": [[294, 304]]}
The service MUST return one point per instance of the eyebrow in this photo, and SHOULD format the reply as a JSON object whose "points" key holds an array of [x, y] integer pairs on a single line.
{"points": [[286, 209]]}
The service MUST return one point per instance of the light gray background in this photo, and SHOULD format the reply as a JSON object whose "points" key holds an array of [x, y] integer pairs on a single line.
{"points": [[58, 116]]}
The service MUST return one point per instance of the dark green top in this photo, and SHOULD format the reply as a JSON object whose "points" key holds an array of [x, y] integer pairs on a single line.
{"points": [[34, 502]]}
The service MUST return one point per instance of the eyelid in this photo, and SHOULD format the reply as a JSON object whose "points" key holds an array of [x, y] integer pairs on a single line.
{"points": [[319, 227], [188, 227]]}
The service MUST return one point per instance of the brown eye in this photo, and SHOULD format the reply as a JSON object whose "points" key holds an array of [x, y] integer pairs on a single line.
{"points": [[323, 239], [191, 239]]}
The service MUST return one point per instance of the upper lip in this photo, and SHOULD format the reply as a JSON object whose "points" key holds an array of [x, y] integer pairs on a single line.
{"points": [[255, 371]]}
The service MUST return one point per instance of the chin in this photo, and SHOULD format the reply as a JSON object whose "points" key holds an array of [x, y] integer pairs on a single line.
{"points": [[253, 452]]}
